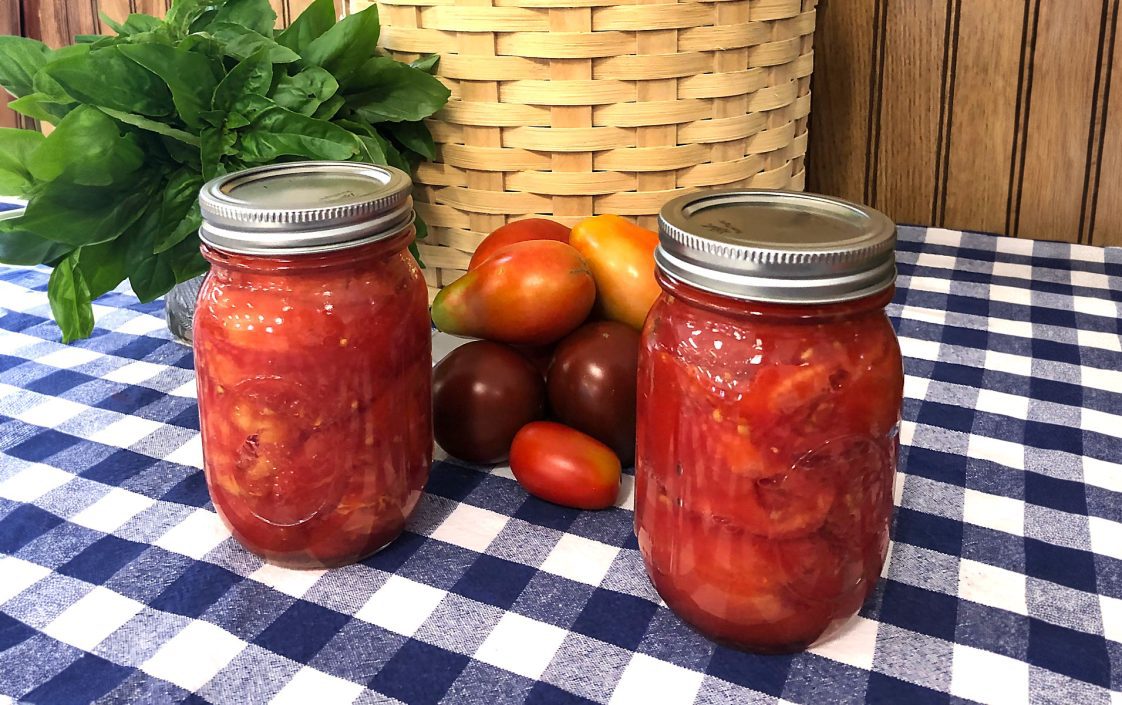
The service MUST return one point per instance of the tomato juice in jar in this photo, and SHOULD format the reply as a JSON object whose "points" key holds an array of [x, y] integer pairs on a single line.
{"points": [[769, 400], [313, 356]]}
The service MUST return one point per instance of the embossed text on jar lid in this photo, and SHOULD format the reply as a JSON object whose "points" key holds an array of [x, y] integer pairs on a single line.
{"points": [[776, 246], [304, 207]]}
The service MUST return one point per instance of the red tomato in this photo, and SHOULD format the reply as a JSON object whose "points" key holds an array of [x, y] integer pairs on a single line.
{"points": [[518, 231], [564, 466], [528, 293]]}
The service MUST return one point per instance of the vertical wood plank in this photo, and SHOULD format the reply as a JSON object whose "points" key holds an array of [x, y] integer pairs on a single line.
{"points": [[116, 10], [1106, 212], [1060, 108], [839, 134], [913, 69], [982, 123]]}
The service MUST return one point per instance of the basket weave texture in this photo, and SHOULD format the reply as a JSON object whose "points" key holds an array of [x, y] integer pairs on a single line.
{"points": [[571, 108]]}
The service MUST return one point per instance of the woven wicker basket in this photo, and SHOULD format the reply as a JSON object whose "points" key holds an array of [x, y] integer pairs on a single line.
{"points": [[571, 108]]}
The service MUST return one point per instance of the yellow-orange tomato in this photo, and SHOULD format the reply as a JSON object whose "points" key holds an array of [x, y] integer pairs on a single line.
{"points": [[621, 256], [528, 293], [518, 231]]}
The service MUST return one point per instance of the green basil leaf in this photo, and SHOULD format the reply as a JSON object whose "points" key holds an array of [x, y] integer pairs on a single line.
{"points": [[371, 150], [185, 260], [23, 247], [329, 108], [41, 107], [89, 38], [16, 147], [421, 227], [306, 91], [214, 143], [151, 125], [182, 15], [414, 136], [278, 132], [252, 75], [316, 19], [137, 23], [20, 60], [87, 149], [190, 77], [181, 192], [150, 275], [102, 266], [247, 108], [152, 278], [242, 43], [183, 153], [204, 44], [256, 15], [384, 90], [344, 47], [426, 63], [107, 78], [70, 300], [113, 24], [82, 215]]}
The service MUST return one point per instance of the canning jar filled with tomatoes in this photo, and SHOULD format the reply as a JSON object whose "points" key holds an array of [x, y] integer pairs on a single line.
{"points": [[769, 400], [313, 356]]}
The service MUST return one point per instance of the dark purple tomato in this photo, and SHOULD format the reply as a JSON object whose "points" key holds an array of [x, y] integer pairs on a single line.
{"points": [[591, 384], [482, 393]]}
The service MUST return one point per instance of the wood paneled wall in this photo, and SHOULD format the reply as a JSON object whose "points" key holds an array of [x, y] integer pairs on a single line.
{"points": [[995, 115]]}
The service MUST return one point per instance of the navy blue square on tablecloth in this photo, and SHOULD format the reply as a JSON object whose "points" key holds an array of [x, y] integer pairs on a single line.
{"points": [[119, 583]]}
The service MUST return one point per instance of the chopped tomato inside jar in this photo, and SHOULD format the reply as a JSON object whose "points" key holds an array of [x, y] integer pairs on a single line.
{"points": [[767, 448], [314, 395]]}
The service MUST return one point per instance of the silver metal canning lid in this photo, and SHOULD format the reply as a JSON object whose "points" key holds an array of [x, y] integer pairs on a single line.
{"points": [[304, 207], [776, 246]]}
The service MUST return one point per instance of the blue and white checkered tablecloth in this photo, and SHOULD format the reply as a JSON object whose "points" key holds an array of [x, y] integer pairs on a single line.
{"points": [[119, 584]]}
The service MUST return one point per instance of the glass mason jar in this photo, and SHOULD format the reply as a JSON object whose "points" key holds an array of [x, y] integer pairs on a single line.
{"points": [[770, 392], [313, 356]]}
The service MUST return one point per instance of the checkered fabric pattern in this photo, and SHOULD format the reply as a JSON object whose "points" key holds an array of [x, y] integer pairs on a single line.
{"points": [[118, 583]]}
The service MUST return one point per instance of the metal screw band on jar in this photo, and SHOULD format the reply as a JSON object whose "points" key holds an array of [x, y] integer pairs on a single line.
{"points": [[304, 207], [776, 246]]}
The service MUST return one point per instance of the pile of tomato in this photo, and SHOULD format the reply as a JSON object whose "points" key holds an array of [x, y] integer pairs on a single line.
{"points": [[551, 382]]}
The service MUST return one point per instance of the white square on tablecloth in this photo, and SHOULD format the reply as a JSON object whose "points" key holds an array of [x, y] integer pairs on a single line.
{"points": [[1100, 422], [1004, 453], [291, 582], [196, 535], [18, 576], [187, 390], [1112, 617], [521, 645], [928, 259], [189, 454], [1106, 537], [994, 512], [580, 559], [992, 586], [52, 412], [1007, 326], [854, 645], [1092, 280], [470, 527], [401, 605], [141, 325], [995, 402], [1006, 362], [937, 285], [312, 686], [12, 341], [112, 511], [1010, 294], [1102, 473], [193, 656], [1012, 269], [648, 680], [87, 622], [33, 482], [626, 497], [134, 372], [1096, 307], [68, 356], [125, 431], [1098, 339], [989, 678], [919, 349]]}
